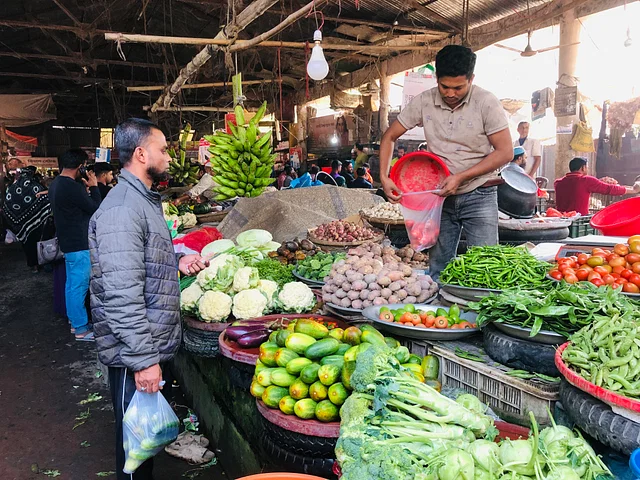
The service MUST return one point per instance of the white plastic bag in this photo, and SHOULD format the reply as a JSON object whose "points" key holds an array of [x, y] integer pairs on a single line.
{"points": [[421, 212], [149, 424]]}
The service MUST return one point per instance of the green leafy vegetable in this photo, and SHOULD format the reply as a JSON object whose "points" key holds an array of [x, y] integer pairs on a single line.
{"points": [[318, 266], [275, 271]]}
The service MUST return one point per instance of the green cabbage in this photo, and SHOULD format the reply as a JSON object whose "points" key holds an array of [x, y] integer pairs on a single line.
{"points": [[254, 238], [219, 246]]}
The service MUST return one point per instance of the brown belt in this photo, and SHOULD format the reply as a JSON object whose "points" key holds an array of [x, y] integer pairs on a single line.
{"points": [[492, 183]]}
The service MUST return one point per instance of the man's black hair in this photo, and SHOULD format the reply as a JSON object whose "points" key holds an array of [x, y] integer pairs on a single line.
{"points": [[130, 135], [359, 146], [102, 167], [517, 157], [576, 164], [314, 169], [455, 61], [288, 169], [524, 122], [361, 171], [73, 158], [402, 147], [366, 165], [335, 164]]}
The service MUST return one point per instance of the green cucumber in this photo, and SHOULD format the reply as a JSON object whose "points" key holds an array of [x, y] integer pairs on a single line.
{"points": [[284, 356], [305, 408], [281, 378], [338, 394], [264, 377], [299, 342], [318, 391], [327, 411], [333, 360], [329, 374], [309, 374], [287, 405], [347, 371], [281, 337], [342, 349], [295, 366], [299, 390], [256, 389], [273, 394], [322, 348]]}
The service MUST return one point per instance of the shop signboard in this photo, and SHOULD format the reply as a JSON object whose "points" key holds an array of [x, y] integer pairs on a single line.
{"points": [[414, 84], [332, 131]]}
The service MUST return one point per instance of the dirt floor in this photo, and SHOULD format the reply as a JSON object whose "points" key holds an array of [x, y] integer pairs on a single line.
{"points": [[44, 375]]}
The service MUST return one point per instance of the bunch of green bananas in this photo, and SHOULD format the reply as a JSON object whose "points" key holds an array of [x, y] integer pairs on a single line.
{"points": [[181, 169], [242, 162]]}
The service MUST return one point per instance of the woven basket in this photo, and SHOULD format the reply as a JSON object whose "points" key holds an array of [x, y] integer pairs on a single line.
{"points": [[380, 221]]}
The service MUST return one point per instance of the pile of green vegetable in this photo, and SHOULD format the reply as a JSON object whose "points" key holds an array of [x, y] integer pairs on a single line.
{"points": [[306, 369], [275, 271], [396, 428], [607, 354], [318, 266], [496, 267], [562, 308]]}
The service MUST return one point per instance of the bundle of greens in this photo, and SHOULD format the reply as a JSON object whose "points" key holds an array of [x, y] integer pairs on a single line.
{"points": [[275, 271], [394, 427], [562, 308], [318, 266], [496, 267]]}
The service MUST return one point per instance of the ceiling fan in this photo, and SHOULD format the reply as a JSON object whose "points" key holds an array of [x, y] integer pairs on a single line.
{"points": [[530, 52]]}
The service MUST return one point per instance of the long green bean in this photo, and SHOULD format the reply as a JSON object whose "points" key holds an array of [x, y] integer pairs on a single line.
{"points": [[496, 267]]}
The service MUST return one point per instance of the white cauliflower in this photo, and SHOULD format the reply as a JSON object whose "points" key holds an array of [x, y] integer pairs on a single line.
{"points": [[189, 297], [214, 306], [189, 220], [209, 273], [249, 304], [245, 278], [269, 288], [296, 297]]}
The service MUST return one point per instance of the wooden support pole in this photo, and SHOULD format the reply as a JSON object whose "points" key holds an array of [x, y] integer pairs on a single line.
{"points": [[153, 88], [244, 18], [77, 79], [385, 104], [92, 62], [242, 44], [68, 13]]}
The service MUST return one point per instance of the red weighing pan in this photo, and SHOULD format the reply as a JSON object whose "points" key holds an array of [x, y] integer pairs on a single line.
{"points": [[418, 172]]}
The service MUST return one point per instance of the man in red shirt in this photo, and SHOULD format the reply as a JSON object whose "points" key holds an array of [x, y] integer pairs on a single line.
{"points": [[574, 189]]}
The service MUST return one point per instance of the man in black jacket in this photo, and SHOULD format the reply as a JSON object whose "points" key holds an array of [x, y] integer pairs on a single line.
{"points": [[72, 209], [104, 175]]}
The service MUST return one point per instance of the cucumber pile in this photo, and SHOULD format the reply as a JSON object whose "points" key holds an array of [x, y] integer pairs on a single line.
{"points": [[242, 162], [305, 369]]}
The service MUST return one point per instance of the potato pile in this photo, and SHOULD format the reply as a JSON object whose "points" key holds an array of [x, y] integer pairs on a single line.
{"points": [[373, 275], [409, 256]]}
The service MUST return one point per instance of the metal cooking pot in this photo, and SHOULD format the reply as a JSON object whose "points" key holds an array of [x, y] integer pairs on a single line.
{"points": [[517, 195]]}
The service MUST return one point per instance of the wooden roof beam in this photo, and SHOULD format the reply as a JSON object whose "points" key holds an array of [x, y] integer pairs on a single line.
{"points": [[83, 32], [78, 59], [73, 78]]}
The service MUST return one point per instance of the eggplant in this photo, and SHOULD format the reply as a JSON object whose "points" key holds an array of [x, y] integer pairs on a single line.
{"points": [[307, 245], [253, 339], [292, 246], [234, 333]]}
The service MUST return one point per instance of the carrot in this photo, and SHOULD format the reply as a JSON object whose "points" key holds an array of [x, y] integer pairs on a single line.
{"points": [[415, 319], [420, 325], [386, 316], [441, 322], [464, 325], [430, 321]]}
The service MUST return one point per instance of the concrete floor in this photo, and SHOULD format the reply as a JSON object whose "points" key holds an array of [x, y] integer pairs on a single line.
{"points": [[44, 374]]}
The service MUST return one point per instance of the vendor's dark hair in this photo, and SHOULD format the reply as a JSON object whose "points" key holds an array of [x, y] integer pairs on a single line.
{"points": [[130, 135], [455, 61], [314, 169], [402, 147], [335, 164], [576, 164], [361, 171], [517, 157], [73, 158], [358, 146], [524, 122], [288, 169]]}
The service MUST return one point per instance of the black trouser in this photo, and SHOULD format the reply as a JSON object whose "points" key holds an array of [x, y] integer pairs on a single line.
{"points": [[30, 247], [122, 386]]}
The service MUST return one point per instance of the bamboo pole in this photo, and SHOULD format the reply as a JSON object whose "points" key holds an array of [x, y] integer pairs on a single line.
{"points": [[239, 23], [193, 108], [240, 44], [152, 88]]}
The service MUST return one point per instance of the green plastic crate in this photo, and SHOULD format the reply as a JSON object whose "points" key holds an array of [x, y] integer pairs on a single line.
{"points": [[581, 227]]}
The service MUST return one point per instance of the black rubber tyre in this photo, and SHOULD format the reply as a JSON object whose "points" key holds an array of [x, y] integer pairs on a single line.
{"points": [[321, 467], [598, 420], [200, 343], [239, 376], [519, 354], [305, 445]]}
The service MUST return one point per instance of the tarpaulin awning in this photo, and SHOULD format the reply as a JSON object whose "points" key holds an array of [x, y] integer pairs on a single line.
{"points": [[22, 143], [23, 110]]}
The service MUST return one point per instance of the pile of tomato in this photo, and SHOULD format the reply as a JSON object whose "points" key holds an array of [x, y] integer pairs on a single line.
{"points": [[619, 267], [412, 317]]}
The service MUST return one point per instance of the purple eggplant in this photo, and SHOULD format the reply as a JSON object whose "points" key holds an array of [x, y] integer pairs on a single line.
{"points": [[253, 339], [234, 333]]}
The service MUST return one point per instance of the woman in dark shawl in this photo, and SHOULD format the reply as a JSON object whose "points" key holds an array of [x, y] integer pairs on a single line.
{"points": [[26, 209]]}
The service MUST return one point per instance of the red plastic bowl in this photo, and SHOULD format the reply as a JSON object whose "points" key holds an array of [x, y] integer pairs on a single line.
{"points": [[418, 172], [621, 219]]}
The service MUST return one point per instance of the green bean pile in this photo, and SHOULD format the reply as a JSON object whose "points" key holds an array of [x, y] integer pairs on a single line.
{"points": [[607, 353], [496, 267]]}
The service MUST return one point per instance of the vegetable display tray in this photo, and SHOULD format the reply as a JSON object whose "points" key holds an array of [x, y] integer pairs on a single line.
{"points": [[444, 334], [510, 397], [634, 296], [295, 424], [377, 239], [230, 349], [469, 293], [308, 281], [544, 336], [195, 324], [621, 405]]}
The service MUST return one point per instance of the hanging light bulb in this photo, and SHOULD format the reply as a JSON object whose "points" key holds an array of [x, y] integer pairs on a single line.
{"points": [[629, 41], [317, 68]]}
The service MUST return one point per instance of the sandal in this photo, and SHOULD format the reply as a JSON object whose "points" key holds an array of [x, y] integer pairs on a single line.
{"points": [[73, 330], [86, 337]]}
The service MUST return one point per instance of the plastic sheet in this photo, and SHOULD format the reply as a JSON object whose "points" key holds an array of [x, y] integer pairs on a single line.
{"points": [[422, 220]]}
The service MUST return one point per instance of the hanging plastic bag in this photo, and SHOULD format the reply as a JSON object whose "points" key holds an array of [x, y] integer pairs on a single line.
{"points": [[421, 212], [149, 424]]}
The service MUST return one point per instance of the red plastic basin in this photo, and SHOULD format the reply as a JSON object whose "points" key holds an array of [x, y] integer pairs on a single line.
{"points": [[418, 172], [621, 219]]}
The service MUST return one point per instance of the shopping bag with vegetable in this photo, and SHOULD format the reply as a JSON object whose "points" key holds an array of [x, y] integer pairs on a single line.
{"points": [[149, 425], [422, 220]]}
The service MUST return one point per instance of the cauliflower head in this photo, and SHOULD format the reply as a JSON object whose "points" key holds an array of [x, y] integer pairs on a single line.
{"points": [[209, 274], [189, 297], [245, 278], [249, 304], [269, 288], [296, 297], [214, 306], [188, 220]]}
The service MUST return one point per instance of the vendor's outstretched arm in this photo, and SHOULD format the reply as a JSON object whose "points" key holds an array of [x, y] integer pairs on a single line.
{"points": [[395, 131], [501, 155]]}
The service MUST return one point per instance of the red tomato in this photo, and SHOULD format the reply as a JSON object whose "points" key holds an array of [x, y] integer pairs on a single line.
{"points": [[582, 258], [618, 270], [582, 274], [617, 261], [597, 282], [571, 278], [568, 271], [608, 279], [621, 249], [586, 267], [601, 270], [630, 288], [633, 258], [622, 281], [556, 274], [636, 267], [615, 275], [596, 251], [626, 273], [594, 275], [635, 279]]}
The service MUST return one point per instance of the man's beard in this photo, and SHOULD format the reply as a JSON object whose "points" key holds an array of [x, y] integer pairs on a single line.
{"points": [[157, 175]]}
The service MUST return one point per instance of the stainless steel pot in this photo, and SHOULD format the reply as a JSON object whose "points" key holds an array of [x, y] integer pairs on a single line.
{"points": [[517, 195]]}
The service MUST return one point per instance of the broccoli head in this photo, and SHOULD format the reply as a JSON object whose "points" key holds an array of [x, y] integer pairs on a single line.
{"points": [[371, 364]]}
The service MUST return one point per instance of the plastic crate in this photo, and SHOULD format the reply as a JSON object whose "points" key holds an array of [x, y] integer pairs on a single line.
{"points": [[510, 398], [581, 227]]}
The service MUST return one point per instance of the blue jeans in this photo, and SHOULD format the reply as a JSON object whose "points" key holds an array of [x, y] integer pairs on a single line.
{"points": [[477, 213], [78, 266]]}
